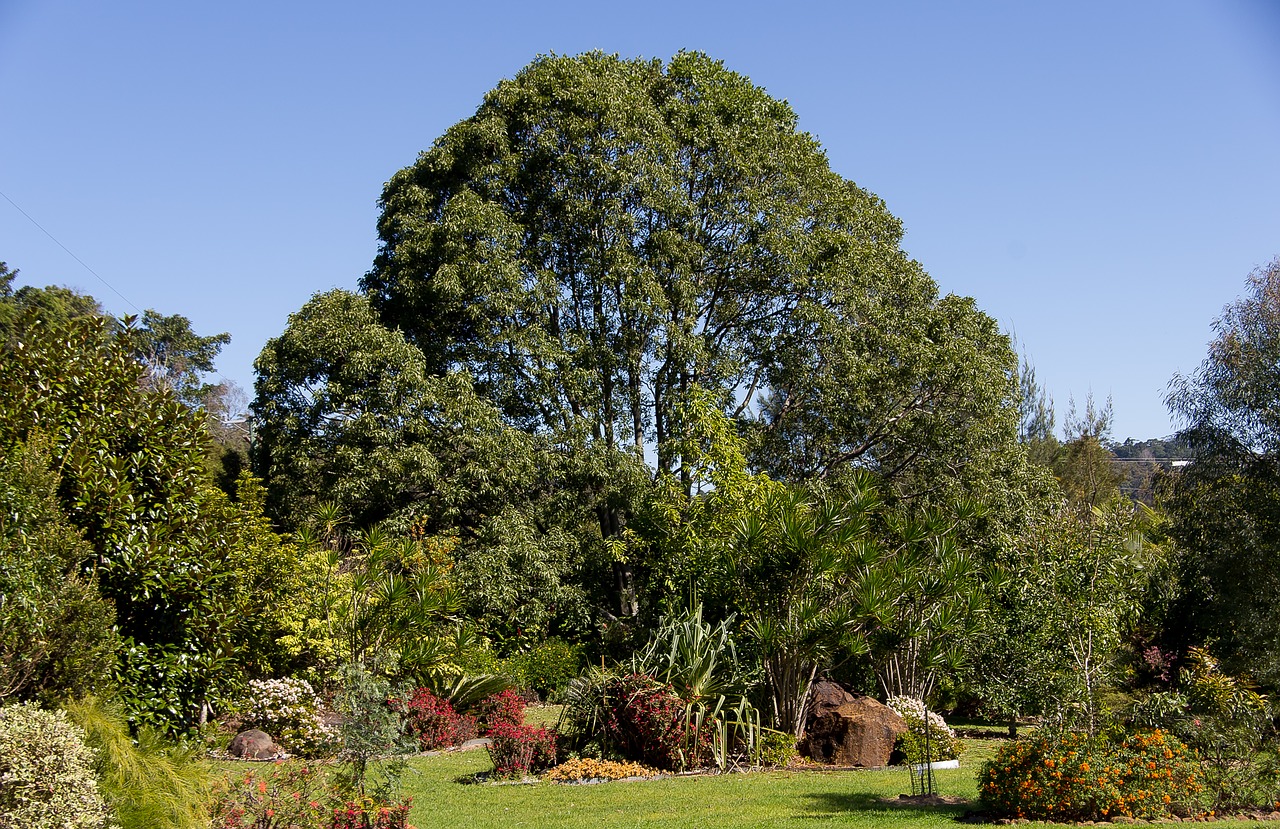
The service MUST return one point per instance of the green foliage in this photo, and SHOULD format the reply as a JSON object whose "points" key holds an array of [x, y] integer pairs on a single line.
{"points": [[53, 305], [940, 743], [777, 749], [1063, 599], [1224, 507], [176, 358], [46, 773], [56, 636], [168, 549], [547, 667], [1072, 777], [1230, 727], [148, 782], [699, 663], [290, 796], [348, 415], [371, 734], [518, 580]]}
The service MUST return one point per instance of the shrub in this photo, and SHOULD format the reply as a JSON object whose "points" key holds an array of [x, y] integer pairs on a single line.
{"points": [[369, 815], [1071, 776], [777, 748], [432, 722], [372, 730], [291, 795], [519, 750], [505, 707], [646, 721], [548, 667], [289, 710], [295, 795], [585, 768], [942, 742], [46, 773]]}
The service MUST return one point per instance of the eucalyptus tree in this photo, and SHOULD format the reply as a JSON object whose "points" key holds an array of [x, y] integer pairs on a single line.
{"points": [[1225, 505]]}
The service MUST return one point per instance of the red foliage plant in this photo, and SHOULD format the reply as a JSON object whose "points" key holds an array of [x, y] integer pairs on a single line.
{"points": [[504, 707], [519, 750], [434, 723]]}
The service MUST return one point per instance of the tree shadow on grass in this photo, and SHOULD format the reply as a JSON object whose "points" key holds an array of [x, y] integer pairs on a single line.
{"points": [[824, 804]]}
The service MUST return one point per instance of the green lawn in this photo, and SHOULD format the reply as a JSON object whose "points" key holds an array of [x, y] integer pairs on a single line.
{"points": [[732, 801], [801, 798]]}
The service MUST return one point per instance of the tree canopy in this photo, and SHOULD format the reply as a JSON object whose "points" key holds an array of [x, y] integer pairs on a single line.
{"points": [[1225, 505], [605, 235]]}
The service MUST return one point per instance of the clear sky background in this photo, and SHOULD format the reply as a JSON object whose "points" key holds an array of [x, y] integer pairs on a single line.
{"points": [[1100, 176]]}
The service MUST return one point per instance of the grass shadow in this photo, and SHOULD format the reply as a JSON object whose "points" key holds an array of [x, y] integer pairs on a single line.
{"points": [[828, 803]]}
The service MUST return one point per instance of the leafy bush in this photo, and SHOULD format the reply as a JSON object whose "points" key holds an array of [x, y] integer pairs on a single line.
{"points": [[519, 750], [146, 781], [547, 668], [46, 773], [1072, 777], [432, 722], [777, 748], [289, 710], [942, 743], [291, 795], [372, 731], [364, 814], [646, 721], [56, 632], [1229, 726], [296, 795]]}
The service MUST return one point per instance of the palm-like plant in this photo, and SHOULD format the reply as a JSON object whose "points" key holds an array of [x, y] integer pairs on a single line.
{"points": [[797, 558]]}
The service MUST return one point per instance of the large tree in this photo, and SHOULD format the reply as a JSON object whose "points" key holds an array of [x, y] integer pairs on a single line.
{"points": [[1225, 505], [605, 235]]}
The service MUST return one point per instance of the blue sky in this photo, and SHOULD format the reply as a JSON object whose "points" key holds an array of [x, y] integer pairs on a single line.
{"points": [[1100, 176]]}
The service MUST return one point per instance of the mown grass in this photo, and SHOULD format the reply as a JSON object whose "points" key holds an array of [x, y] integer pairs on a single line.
{"points": [[798, 798], [733, 801]]}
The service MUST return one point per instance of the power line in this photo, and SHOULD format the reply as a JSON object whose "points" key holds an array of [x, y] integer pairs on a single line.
{"points": [[96, 275], [68, 250]]}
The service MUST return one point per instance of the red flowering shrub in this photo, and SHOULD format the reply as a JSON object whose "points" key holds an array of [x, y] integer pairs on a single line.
{"points": [[433, 722], [1070, 777], [648, 723], [518, 750], [504, 707]]}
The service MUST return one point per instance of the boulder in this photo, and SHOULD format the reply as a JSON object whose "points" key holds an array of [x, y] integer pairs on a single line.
{"points": [[253, 745], [847, 730]]}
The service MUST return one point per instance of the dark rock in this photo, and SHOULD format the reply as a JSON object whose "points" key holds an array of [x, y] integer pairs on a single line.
{"points": [[845, 730], [253, 745]]}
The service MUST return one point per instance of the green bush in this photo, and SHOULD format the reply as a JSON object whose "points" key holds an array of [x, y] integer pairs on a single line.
{"points": [[46, 773], [1072, 777], [777, 748], [547, 668], [56, 635]]}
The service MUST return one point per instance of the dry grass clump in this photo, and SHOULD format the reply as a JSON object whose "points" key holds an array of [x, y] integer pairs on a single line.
{"points": [[585, 768]]}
